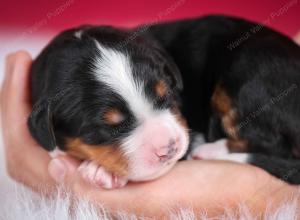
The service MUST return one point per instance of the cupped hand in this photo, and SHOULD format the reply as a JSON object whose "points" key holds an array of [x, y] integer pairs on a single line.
{"points": [[26, 161], [208, 186]]}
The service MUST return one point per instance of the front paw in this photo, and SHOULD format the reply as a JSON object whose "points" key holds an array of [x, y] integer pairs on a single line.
{"points": [[215, 150], [97, 175]]}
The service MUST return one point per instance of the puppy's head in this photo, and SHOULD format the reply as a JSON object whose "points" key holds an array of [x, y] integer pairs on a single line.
{"points": [[102, 97]]}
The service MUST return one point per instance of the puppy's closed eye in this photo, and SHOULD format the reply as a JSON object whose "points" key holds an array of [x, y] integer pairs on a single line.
{"points": [[113, 116]]}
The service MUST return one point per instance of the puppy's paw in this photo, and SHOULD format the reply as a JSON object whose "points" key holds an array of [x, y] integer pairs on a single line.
{"points": [[97, 175], [216, 150]]}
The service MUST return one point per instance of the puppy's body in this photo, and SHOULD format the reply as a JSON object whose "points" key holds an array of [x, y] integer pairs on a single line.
{"points": [[241, 82], [112, 97]]}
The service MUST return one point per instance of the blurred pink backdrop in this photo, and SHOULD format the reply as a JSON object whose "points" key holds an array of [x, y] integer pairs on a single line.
{"points": [[30, 24], [55, 15]]}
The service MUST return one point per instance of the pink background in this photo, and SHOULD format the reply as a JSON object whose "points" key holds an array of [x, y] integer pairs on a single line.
{"points": [[33, 14], [30, 24]]}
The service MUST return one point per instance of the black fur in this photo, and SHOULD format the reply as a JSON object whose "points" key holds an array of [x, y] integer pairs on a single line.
{"points": [[259, 69], [69, 102]]}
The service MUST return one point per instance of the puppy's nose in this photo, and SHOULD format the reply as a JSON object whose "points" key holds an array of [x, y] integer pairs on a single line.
{"points": [[166, 153]]}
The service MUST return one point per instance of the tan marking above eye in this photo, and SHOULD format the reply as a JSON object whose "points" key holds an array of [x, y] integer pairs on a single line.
{"points": [[113, 116], [160, 89]]}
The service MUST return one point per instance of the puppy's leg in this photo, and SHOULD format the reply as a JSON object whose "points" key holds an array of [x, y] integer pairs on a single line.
{"points": [[213, 150], [196, 139], [217, 151], [97, 175], [286, 169]]}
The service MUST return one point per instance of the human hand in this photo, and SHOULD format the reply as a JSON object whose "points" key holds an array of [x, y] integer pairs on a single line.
{"points": [[26, 161], [204, 186]]}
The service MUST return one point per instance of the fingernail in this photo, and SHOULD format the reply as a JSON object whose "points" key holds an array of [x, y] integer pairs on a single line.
{"points": [[57, 170]]}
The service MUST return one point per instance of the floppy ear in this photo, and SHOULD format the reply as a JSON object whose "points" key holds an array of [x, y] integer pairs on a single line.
{"points": [[173, 72], [40, 124], [170, 68]]}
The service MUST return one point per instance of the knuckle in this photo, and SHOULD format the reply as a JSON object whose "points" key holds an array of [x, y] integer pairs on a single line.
{"points": [[12, 58]]}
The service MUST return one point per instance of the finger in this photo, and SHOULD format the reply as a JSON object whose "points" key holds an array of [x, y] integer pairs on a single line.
{"points": [[16, 87], [15, 96], [17, 69], [63, 169], [297, 38], [26, 161]]}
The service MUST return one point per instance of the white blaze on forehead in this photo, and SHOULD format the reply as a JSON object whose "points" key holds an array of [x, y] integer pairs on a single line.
{"points": [[113, 68]]}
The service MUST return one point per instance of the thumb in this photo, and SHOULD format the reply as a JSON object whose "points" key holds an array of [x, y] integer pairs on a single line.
{"points": [[63, 169]]}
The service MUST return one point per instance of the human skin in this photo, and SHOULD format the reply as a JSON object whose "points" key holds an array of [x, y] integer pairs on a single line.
{"points": [[297, 38], [208, 186]]}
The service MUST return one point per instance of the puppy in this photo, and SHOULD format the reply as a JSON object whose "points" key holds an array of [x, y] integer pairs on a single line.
{"points": [[113, 97], [241, 89], [114, 106]]}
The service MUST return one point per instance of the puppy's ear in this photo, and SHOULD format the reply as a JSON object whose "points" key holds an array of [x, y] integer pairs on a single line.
{"points": [[173, 72], [40, 124], [170, 68]]}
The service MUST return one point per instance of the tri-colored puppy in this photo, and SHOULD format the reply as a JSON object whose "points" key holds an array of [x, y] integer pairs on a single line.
{"points": [[114, 97], [114, 106]]}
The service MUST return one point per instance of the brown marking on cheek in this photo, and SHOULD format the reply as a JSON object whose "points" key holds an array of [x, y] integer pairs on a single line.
{"points": [[161, 89], [108, 156], [113, 117], [222, 104]]}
